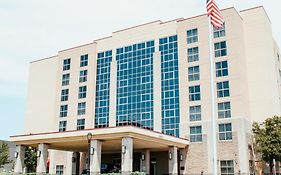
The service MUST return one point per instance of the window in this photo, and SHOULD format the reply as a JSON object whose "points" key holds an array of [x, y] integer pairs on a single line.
{"points": [[62, 126], [134, 85], [225, 131], [196, 134], [80, 124], [192, 36], [227, 167], [194, 93], [102, 89], [219, 32], [195, 113], [66, 64], [83, 76], [59, 169], [84, 60], [65, 80], [81, 110], [170, 85], [193, 54], [82, 92], [224, 110], [193, 73], [63, 110], [223, 89], [220, 49], [64, 94], [221, 69]]}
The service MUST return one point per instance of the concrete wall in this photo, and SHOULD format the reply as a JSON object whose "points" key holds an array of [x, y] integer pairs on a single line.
{"points": [[264, 89], [41, 96], [60, 158], [74, 54]]}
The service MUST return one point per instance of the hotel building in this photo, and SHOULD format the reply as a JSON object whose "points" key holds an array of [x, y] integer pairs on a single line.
{"points": [[144, 95]]}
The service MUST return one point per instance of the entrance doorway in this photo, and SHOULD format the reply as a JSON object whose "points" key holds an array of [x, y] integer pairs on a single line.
{"points": [[153, 163]]}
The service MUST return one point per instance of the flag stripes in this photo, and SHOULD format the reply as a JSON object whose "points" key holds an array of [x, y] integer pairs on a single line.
{"points": [[215, 14]]}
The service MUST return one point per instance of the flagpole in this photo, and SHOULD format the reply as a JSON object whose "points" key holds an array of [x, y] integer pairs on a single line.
{"points": [[214, 133]]}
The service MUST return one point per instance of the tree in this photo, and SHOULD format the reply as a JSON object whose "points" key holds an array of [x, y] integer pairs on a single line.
{"points": [[267, 138], [4, 153], [30, 159]]}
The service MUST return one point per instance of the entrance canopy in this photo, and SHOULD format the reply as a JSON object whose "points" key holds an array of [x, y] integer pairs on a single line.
{"points": [[110, 137]]}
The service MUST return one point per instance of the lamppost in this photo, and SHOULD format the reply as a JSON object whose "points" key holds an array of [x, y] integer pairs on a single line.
{"points": [[89, 137]]}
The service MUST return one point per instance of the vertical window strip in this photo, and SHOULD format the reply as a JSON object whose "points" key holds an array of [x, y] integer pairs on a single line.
{"points": [[135, 85], [104, 60], [170, 85]]}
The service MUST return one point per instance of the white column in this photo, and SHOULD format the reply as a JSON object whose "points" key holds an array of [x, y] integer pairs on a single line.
{"points": [[68, 167], [83, 157], [173, 160], [146, 162], [52, 168], [113, 92], [42, 158], [240, 127], [19, 163], [127, 155], [74, 162], [95, 157], [157, 108], [183, 160]]}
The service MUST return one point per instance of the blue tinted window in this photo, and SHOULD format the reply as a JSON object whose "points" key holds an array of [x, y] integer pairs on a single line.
{"points": [[192, 36], [169, 85], [194, 93], [219, 32], [103, 89], [220, 49], [193, 73], [195, 113], [224, 110], [193, 54], [225, 131], [84, 60], [223, 89], [64, 94], [196, 134], [135, 85], [66, 64], [221, 69], [63, 110]]}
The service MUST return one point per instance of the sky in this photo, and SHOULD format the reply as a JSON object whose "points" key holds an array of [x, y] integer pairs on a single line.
{"points": [[34, 29]]}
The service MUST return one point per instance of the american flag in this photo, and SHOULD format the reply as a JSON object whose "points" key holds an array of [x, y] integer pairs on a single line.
{"points": [[215, 14]]}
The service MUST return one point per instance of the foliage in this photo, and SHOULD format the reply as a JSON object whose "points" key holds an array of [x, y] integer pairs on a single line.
{"points": [[4, 153], [138, 173], [30, 159], [267, 137]]}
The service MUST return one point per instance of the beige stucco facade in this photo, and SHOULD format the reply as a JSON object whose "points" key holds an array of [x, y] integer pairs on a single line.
{"points": [[253, 75]]}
